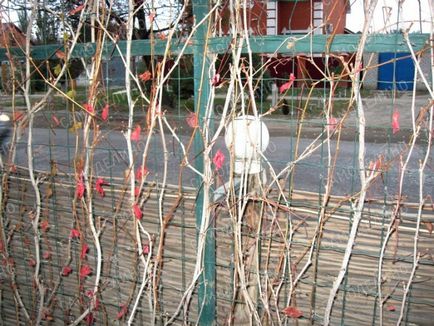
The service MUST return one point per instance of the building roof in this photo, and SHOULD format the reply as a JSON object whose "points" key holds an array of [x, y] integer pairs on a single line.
{"points": [[11, 35]]}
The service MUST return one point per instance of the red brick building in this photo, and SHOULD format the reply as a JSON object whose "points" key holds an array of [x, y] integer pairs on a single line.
{"points": [[295, 17], [10, 36]]}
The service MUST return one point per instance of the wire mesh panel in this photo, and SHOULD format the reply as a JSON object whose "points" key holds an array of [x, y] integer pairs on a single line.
{"points": [[236, 168]]}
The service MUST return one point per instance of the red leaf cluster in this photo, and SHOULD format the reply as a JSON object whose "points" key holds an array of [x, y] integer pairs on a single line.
{"points": [[292, 312], [89, 108], [332, 123], [288, 84], [216, 80], [55, 120], [145, 249], [45, 226], [192, 120], [105, 113], [60, 55], [85, 271], [141, 172], [122, 312], [76, 10], [66, 270], [152, 16], [135, 135], [17, 116], [89, 293], [97, 303], [84, 250], [395, 122], [391, 308], [13, 168], [46, 255], [98, 186], [74, 234], [219, 159], [145, 76], [137, 212], [79, 189], [89, 319]]}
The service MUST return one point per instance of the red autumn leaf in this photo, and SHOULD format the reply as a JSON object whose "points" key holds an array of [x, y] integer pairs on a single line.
{"points": [[219, 159], [122, 312], [137, 212], [142, 171], [55, 120], [85, 271], [152, 16], [288, 84], [192, 120], [45, 225], [292, 312], [332, 123], [66, 270], [98, 186], [391, 308], [13, 168], [84, 250], [74, 234], [136, 191], [60, 55], [145, 76], [216, 81], [89, 319], [145, 249], [135, 135], [89, 108], [395, 122], [32, 262], [76, 10], [97, 303], [46, 255], [162, 36], [17, 116], [105, 113], [79, 189]]}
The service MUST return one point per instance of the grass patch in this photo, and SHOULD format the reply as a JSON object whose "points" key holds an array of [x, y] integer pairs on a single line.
{"points": [[117, 98]]}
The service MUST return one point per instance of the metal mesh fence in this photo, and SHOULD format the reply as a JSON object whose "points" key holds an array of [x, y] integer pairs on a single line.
{"points": [[123, 201]]}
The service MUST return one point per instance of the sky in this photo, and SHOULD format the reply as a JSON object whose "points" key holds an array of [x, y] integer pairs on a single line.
{"points": [[410, 12]]}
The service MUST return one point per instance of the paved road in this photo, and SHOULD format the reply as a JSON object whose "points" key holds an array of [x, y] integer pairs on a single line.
{"points": [[111, 160]]}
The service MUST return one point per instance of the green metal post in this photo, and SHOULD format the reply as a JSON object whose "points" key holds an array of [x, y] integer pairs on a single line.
{"points": [[206, 291]]}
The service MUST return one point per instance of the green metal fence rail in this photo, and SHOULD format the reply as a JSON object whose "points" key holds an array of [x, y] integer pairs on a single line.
{"points": [[260, 44]]}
